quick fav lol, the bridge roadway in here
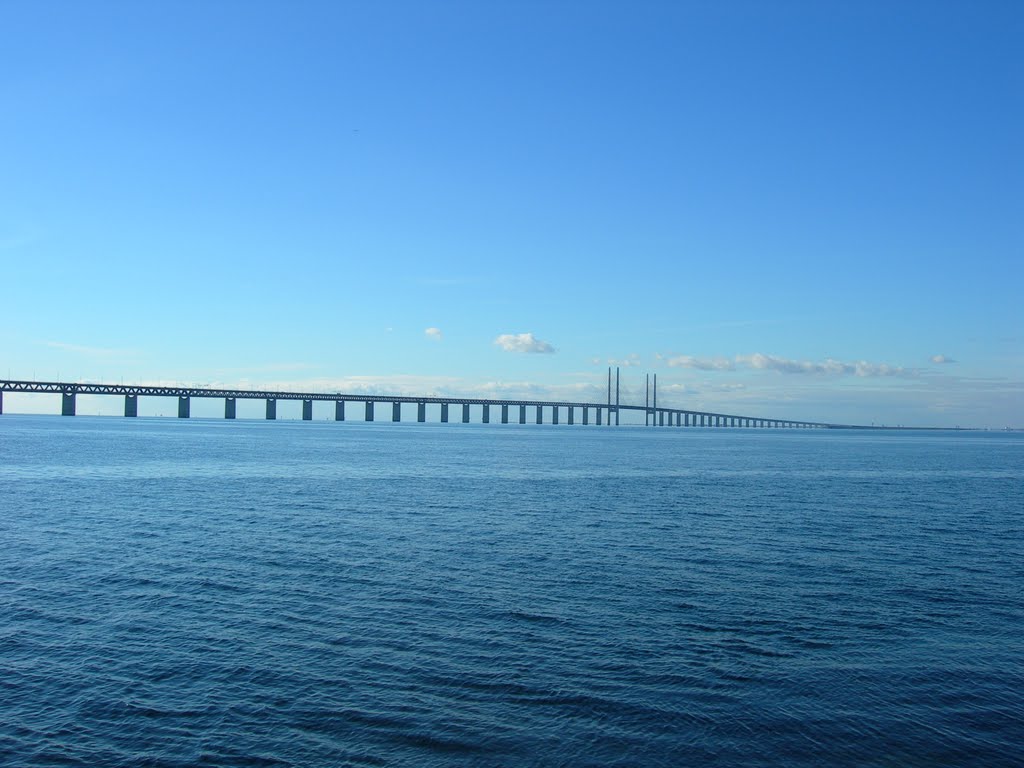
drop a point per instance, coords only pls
(655, 415)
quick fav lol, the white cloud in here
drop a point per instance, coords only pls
(523, 342)
(942, 359)
(700, 363)
(629, 361)
(433, 333)
(860, 368)
(760, 361)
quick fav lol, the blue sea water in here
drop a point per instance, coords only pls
(179, 593)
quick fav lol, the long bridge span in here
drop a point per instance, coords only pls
(529, 411)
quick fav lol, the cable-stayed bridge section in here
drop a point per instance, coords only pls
(505, 410)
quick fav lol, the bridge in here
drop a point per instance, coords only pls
(605, 414)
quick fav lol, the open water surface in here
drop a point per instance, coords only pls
(178, 593)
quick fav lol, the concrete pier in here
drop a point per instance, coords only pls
(504, 414)
(540, 415)
(369, 410)
(421, 412)
(444, 413)
(597, 420)
(571, 419)
(661, 418)
(1, 402)
(396, 411)
(67, 404)
(522, 414)
(465, 413)
(307, 410)
(487, 414)
(229, 408)
(339, 410)
(586, 415)
(554, 414)
(131, 406)
(184, 406)
(271, 409)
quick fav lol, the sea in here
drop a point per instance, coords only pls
(247, 593)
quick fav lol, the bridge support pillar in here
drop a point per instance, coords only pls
(444, 413)
(271, 409)
(522, 414)
(131, 405)
(504, 414)
(1, 401)
(229, 408)
(572, 416)
(67, 404)
(586, 415)
(554, 414)
(421, 412)
(597, 416)
(465, 413)
(369, 410)
(339, 410)
(396, 411)
(486, 418)
(540, 415)
(184, 406)
(661, 418)
(307, 410)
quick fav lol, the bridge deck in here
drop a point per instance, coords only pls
(137, 390)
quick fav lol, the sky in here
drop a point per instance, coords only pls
(803, 210)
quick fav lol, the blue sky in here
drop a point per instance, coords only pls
(797, 209)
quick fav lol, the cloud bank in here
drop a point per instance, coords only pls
(700, 363)
(523, 342)
(434, 334)
(834, 367)
(762, 362)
